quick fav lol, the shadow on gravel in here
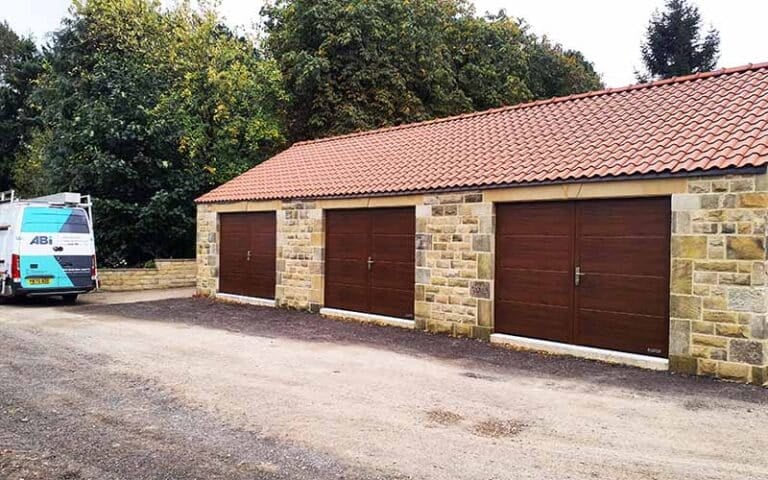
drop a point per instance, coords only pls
(472, 354)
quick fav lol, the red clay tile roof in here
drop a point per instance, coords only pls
(716, 120)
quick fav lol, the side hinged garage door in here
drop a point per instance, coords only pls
(247, 251)
(592, 273)
(369, 260)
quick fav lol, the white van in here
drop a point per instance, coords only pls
(46, 246)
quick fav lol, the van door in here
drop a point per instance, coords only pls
(56, 248)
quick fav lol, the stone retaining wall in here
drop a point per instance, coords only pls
(168, 273)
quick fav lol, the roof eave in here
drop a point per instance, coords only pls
(747, 170)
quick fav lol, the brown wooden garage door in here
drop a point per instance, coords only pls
(369, 260)
(621, 248)
(247, 254)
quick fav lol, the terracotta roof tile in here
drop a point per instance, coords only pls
(716, 120)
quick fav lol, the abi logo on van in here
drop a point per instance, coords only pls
(42, 240)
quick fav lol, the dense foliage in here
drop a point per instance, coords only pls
(147, 107)
(674, 44)
(20, 63)
(146, 116)
(358, 64)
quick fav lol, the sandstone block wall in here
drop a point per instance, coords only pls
(300, 253)
(718, 296)
(168, 273)
(207, 250)
(454, 264)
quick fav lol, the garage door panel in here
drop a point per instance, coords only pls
(614, 293)
(347, 222)
(625, 217)
(535, 252)
(347, 271)
(546, 218)
(347, 246)
(392, 302)
(235, 283)
(537, 321)
(263, 244)
(622, 248)
(386, 236)
(400, 221)
(346, 297)
(392, 275)
(393, 247)
(247, 254)
(626, 332)
(262, 286)
(636, 256)
(547, 288)
(263, 268)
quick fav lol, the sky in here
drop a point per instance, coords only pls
(608, 32)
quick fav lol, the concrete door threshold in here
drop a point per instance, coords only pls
(609, 356)
(366, 317)
(261, 302)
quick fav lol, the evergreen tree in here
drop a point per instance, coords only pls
(674, 44)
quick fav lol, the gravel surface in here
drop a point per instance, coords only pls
(66, 416)
(194, 389)
(472, 354)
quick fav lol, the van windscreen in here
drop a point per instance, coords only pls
(54, 220)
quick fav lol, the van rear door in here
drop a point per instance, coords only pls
(57, 248)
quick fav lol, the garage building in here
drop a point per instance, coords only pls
(626, 224)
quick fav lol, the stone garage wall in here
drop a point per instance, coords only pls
(718, 300)
(300, 242)
(718, 280)
(168, 273)
(207, 250)
(454, 264)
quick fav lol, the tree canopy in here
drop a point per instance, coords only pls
(147, 115)
(674, 44)
(147, 107)
(358, 64)
(20, 64)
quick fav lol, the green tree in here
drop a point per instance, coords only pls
(556, 72)
(20, 64)
(352, 65)
(490, 58)
(356, 64)
(674, 44)
(148, 114)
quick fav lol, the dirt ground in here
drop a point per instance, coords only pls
(134, 386)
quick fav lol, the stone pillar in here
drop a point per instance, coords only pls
(718, 280)
(207, 250)
(454, 264)
(300, 256)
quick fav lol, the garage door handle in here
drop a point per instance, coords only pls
(370, 263)
(248, 256)
(577, 276)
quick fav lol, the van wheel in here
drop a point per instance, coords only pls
(69, 298)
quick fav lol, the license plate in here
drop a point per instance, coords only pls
(39, 281)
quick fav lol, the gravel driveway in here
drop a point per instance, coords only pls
(183, 388)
